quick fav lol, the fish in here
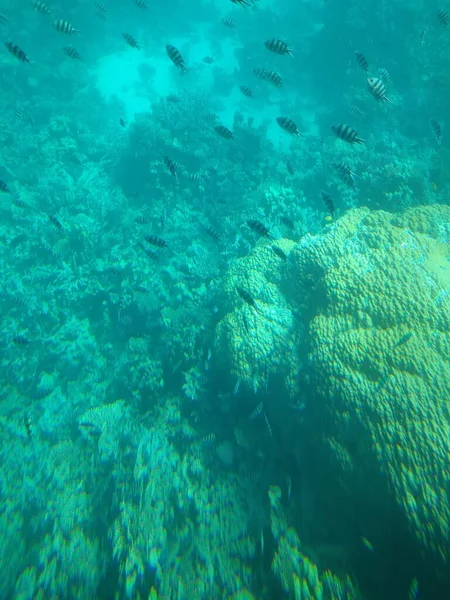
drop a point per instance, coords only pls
(156, 241)
(289, 126)
(213, 234)
(328, 201)
(3, 19)
(173, 98)
(443, 18)
(345, 173)
(228, 22)
(131, 41)
(101, 8)
(24, 117)
(356, 110)
(384, 74)
(437, 131)
(21, 340)
(347, 133)
(413, 592)
(16, 51)
(4, 187)
(150, 253)
(247, 298)
(121, 122)
(271, 76)
(405, 338)
(362, 61)
(209, 60)
(256, 412)
(72, 53)
(422, 36)
(279, 252)
(175, 56)
(377, 89)
(64, 27)
(40, 7)
(259, 227)
(141, 220)
(224, 132)
(289, 166)
(367, 544)
(55, 221)
(246, 91)
(28, 424)
(171, 165)
(243, 3)
(20, 203)
(141, 3)
(278, 47)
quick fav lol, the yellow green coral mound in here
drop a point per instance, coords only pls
(258, 342)
(380, 350)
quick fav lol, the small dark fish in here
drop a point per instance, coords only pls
(21, 340)
(377, 89)
(230, 23)
(347, 133)
(171, 165)
(247, 298)
(40, 7)
(345, 173)
(384, 74)
(64, 27)
(211, 117)
(278, 47)
(20, 203)
(24, 117)
(443, 18)
(72, 53)
(101, 8)
(246, 91)
(224, 132)
(175, 56)
(259, 228)
(4, 187)
(213, 234)
(405, 338)
(209, 60)
(356, 110)
(271, 76)
(289, 167)
(131, 41)
(437, 131)
(141, 220)
(141, 3)
(121, 122)
(422, 36)
(150, 253)
(16, 51)
(256, 412)
(328, 202)
(242, 3)
(173, 98)
(289, 126)
(279, 252)
(156, 241)
(55, 222)
(362, 61)
(287, 222)
(28, 424)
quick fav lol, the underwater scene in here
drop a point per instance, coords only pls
(225, 300)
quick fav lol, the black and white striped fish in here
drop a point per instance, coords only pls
(278, 47)
(64, 27)
(362, 61)
(175, 56)
(347, 133)
(289, 126)
(377, 89)
(437, 131)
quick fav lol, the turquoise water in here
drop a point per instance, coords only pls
(225, 326)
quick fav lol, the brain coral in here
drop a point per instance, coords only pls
(257, 343)
(379, 348)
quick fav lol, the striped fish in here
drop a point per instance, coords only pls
(377, 89)
(362, 61)
(289, 126)
(347, 133)
(175, 56)
(278, 47)
(64, 27)
(16, 51)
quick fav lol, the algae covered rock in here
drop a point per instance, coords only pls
(257, 342)
(379, 348)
